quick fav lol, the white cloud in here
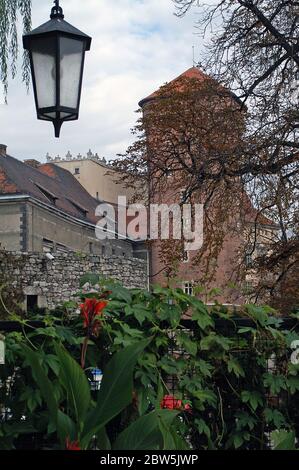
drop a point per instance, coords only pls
(137, 46)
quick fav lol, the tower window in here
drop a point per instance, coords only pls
(188, 287)
(248, 260)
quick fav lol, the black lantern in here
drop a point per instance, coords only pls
(57, 51)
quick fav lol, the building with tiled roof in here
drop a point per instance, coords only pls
(44, 208)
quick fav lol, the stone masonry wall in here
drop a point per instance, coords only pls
(55, 281)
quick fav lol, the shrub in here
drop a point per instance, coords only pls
(229, 382)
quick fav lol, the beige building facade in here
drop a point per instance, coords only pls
(95, 175)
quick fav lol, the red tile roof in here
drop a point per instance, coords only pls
(192, 73)
(48, 183)
(6, 186)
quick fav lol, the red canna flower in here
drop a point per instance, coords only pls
(89, 311)
(72, 445)
(171, 403)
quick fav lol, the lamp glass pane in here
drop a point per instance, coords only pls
(44, 65)
(71, 56)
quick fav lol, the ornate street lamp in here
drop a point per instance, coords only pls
(57, 51)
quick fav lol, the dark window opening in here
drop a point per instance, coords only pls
(32, 303)
(248, 260)
(48, 246)
(83, 212)
(48, 195)
(77, 171)
(61, 248)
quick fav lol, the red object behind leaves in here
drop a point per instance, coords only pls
(72, 445)
(188, 408)
(172, 403)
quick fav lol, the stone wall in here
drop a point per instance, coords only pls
(55, 281)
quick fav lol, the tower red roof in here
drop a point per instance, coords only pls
(193, 72)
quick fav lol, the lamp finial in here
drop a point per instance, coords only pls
(56, 11)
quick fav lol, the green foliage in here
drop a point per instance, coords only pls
(145, 434)
(116, 389)
(146, 348)
(83, 420)
(283, 440)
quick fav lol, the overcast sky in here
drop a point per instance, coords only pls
(137, 46)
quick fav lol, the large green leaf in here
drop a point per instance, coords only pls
(103, 441)
(172, 440)
(283, 440)
(75, 384)
(116, 389)
(145, 433)
(66, 428)
(44, 384)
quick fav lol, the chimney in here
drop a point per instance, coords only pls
(32, 162)
(3, 150)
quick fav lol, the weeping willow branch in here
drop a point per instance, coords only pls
(11, 12)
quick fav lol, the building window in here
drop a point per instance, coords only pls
(188, 287)
(77, 171)
(48, 195)
(32, 303)
(97, 195)
(185, 257)
(61, 248)
(103, 250)
(248, 287)
(48, 246)
(248, 260)
(113, 251)
(90, 247)
(82, 211)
